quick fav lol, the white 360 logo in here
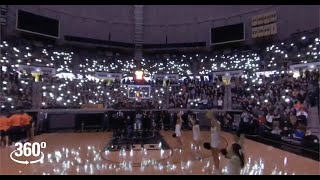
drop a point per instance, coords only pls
(27, 149)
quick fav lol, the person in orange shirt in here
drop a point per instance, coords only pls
(15, 120)
(4, 127)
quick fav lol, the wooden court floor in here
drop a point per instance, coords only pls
(84, 153)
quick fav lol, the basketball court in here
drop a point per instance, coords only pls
(87, 153)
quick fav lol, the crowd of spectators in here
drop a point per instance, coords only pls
(73, 82)
(193, 93)
(278, 103)
(16, 92)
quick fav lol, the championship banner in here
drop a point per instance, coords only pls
(264, 24)
(314, 65)
(265, 73)
(166, 76)
(228, 73)
(106, 75)
(36, 69)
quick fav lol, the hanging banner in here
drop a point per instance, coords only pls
(264, 24)
(106, 75)
(228, 73)
(310, 66)
(166, 76)
(34, 69)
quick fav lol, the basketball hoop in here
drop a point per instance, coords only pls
(142, 91)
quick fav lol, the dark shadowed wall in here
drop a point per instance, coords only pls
(179, 23)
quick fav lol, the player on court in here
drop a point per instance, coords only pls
(236, 155)
(178, 129)
(214, 138)
(195, 133)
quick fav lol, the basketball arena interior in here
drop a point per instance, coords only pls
(159, 90)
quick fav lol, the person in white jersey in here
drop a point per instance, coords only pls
(178, 129)
(195, 133)
(236, 156)
(214, 138)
